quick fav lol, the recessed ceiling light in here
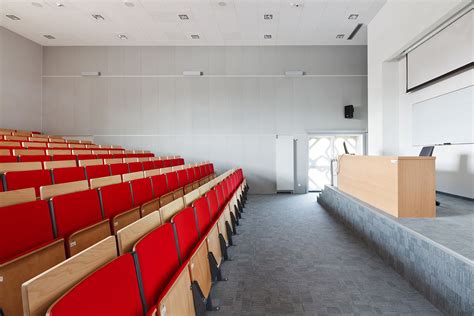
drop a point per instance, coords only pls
(268, 16)
(353, 16)
(267, 36)
(122, 36)
(60, 5)
(222, 3)
(340, 36)
(98, 17)
(296, 4)
(183, 16)
(195, 36)
(49, 36)
(129, 4)
(13, 17)
(37, 4)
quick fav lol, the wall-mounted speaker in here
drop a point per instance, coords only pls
(349, 111)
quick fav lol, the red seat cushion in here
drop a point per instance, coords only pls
(69, 174)
(28, 179)
(32, 158)
(135, 166)
(148, 165)
(186, 230)
(119, 168)
(8, 159)
(159, 185)
(172, 180)
(75, 211)
(158, 259)
(111, 290)
(203, 215)
(24, 227)
(116, 199)
(98, 171)
(142, 191)
(158, 164)
(183, 177)
(213, 204)
(86, 156)
(64, 157)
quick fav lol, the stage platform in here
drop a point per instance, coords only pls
(434, 254)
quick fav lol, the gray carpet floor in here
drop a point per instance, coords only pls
(292, 258)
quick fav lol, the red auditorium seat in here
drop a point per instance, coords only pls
(119, 168)
(148, 165)
(220, 196)
(31, 158)
(69, 174)
(203, 215)
(158, 164)
(157, 249)
(8, 159)
(74, 212)
(203, 171)
(191, 175)
(172, 181)
(166, 163)
(135, 166)
(64, 157)
(28, 179)
(120, 155)
(159, 185)
(183, 177)
(197, 173)
(117, 204)
(97, 171)
(142, 191)
(213, 203)
(23, 228)
(177, 162)
(111, 290)
(86, 156)
(186, 230)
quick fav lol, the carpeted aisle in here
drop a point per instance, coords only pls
(292, 258)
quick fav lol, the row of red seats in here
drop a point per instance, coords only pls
(28, 226)
(15, 180)
(41, 155)
(136, 283)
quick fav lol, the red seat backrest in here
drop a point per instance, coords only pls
(202, 171)
(158, 164)
(69, 174)
(203, 215)
(142, 191)
(191, 174)
(111, 290)
(167, 163)
(135, 166)
(183, 177)
(211, 196)
(172, 180)
(23, 228)
(159, 185)
(86, 156)
(177, 162)
(220, 196)
(186, 231)
(116, 199)
(197, 173)
(148, 165)
(75, 211)
(119, 168)
(28, 179)
(211, 168)
(8, 159)
(158, 259)
(64, 157)
(98, 171)
(32, 158)
(119, 155)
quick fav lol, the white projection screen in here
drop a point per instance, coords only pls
(448, 51)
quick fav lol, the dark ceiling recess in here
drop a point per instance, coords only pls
(355, 31)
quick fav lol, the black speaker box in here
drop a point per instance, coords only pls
(349, 111)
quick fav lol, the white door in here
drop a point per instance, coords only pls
(285, 167)
(324, 148)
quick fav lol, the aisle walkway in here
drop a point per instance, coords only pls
(292, 258)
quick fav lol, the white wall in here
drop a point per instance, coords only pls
(20, 82)
(230, 116)
(390, 107)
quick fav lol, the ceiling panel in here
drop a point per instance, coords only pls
(217, 22)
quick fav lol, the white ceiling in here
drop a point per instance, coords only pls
(156, 22)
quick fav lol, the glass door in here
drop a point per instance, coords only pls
(323, 149)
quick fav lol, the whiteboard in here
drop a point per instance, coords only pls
(447, 118)
(446, 51)
(285, 168)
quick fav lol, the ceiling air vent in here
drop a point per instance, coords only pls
(355, 31)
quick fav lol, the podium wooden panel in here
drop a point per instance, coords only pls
(399, 186)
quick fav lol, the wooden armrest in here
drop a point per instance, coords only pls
(150, 206)
(86, 237)
(121, 220)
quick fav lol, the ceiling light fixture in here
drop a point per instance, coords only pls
(340, 36)
(122, 36)
(60, 5)
(49, 36)
(13, 17)
(353, 16)
(37, 4)
(267, 36)
(268, 16)
(195, 36)
(129, 4)
(98, 17)
(183, 16)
